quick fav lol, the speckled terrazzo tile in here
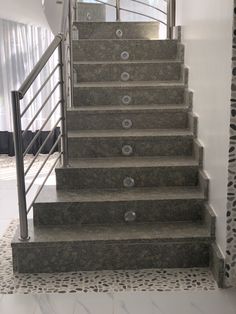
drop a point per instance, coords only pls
(108, 72)
(137, 93)
(109, 143)
(110, 50)
(108, 30)
(153, 118)
(195, 279)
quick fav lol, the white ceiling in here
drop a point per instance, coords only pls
(23, 11)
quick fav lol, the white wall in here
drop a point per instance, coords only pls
(207, 35)
(23, 11)
(53, 12)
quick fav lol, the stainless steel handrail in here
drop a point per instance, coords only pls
(39, 66)
(58, 44)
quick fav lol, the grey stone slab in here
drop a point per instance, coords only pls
(60, 207)
(110, 143)
(110, 50)
(138, 94)
(126, 30)
(95, 12)
(105, 120)
(107, 72)
(71, 248)
(217, 264)
(110, 173)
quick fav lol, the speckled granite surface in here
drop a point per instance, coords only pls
(107, 30)
(110, 50)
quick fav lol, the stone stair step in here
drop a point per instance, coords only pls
(129, 93)
(120, 246)
(111, 30)
(144, 142)
(108, 72)
(98, 118)
(127, 172)
(60, 207)
(111, 50)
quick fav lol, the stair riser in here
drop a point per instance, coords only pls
(146, 146)
(136, 72)
(109, 121)
(110, 50)
(75, 178)
(65, 257)
(108, 30)
(138, 95)
(113, 212)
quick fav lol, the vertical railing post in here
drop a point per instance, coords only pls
(117, 10)
(62, 77)
(171, 17)
(24, 236)
(70, 21)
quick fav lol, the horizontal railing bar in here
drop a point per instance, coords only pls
(149, 5)
(108, 4)
(39, 131)
(148, 16)
(42, 146)
(40, 65)
(43, 164)
(38, 92)
(40, 109)
(45, 180)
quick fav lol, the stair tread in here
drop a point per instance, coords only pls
(117, 22)
(50, 194)
(137, 162)
(177, 232)
(127, 40)
(163, 61)
(130, 132)
(131, 84)
(133, 108)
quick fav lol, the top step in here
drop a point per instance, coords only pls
(118, 30)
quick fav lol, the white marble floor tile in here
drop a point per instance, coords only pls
(90, 303)
(18, 304)
(209, 302)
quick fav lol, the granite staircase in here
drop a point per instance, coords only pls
(134, 195)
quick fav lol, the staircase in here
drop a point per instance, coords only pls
(134, 195)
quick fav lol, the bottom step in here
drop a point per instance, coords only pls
(71, 248)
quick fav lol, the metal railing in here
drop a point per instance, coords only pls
(62, 45)
(167, 11)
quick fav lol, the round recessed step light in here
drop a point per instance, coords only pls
(128, 182)
(119, 33)
(126, 100)
(127, 150)
(125, 76)
(130, 216)
(127, 124)
(124, 55)
(88, 16)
